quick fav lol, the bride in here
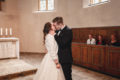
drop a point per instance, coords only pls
(50, 69)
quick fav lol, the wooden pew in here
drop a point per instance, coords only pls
(105, 59)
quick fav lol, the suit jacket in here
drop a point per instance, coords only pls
(102, 43)
(64, 40)
(117, 44)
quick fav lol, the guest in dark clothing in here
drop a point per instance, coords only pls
(114, 41)
(100, 40)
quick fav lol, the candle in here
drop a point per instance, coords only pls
(6, 31)
(1, 31)
(10, 31)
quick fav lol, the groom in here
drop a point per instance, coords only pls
(64, 39)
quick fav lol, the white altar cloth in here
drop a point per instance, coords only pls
(9, 47)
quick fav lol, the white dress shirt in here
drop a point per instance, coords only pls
(91, 41)
(60, 30)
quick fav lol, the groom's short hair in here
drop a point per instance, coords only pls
(58, 20)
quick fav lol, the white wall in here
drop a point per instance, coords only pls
(28, 25)
(31, 24)
(9, 16)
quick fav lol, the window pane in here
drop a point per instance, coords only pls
(104, 0)
(96, 1)
(42, 4)
(50, 4)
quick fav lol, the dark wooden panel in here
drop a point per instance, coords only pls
(81, 34)
(0, 5)
(76, 35)
(76, 55)
(98, 57)
(101, 58)
(113, 60)
(84, 53)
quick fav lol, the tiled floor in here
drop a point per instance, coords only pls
(78, 73)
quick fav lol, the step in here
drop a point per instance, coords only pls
(11, 68)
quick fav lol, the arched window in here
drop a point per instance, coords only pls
(46, 5)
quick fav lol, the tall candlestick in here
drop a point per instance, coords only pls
(1, 31)
(6, 31)
(10, 31)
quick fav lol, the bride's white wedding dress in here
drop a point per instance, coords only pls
(47, 69)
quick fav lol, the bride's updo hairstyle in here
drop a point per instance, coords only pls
(47, 28)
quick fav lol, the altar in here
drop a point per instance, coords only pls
(9, 48)
(10, 64)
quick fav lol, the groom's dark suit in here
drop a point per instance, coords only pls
(64, 40)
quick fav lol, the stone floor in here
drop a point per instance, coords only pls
(78, 73)
(10, 68)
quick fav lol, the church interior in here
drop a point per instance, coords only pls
(21, 37)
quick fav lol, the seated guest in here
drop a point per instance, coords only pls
(100, 40)
(114, 41)
(91, 40)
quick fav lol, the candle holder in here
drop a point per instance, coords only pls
(2, 36)
(5, 36)
(9, 36)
